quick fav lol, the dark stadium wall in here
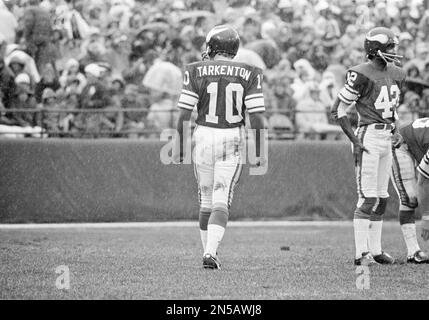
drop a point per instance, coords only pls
(124, 180)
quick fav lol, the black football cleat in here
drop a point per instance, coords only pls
(366, 260)
(210, 262)
(419, 257)
(384, 258)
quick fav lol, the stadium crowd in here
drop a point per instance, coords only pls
(123, 59)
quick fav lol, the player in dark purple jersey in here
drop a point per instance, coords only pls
(222, 90)
(412, 185)
(375, 88)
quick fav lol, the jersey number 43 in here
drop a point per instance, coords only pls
(387, 101)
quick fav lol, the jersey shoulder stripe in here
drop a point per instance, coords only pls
(255, 110)
(351, 90)
(185, 106)
(347, 97)
(190, 93)
(188, 99)
(253, 103)
(254, 96)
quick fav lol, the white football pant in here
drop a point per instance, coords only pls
(373, 168)
(218, 163)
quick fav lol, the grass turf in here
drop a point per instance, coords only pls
(165, 263)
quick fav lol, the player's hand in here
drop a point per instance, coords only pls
(358, 148)
(397, 140)
(425, 230)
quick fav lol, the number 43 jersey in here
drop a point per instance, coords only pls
(222, 91)
(375, 91)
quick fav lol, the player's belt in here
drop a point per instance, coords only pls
(386, 126)
(382, 126)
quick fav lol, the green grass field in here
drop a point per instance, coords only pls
(165, 263)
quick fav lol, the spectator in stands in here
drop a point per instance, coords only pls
(8, 25)
(348, 40)
(304, 74)
(329, 89)
(134, 121)
(117, 89)
(412, 70)
(311, 117)
(16, 65)
(51, 120)
(38, 32)
(161, 112)
(424, 110)
(95, 50)
(422, 54)
(425, 73)
(424, 26)
(165, 82)
(94, 94)
(283, 100)
(71, 73)
(119, 52)
(24, 99)
(405, 48)
(251, 30)
(13, 54)
(7, 83)
(49, 80)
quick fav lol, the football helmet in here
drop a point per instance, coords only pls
(221, 39)
(381, 43)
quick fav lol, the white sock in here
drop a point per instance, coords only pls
(375, 229)
(361, 230)
(214, 237)
(410, 237)
(203, 234)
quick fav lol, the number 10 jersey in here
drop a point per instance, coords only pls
(222, 90)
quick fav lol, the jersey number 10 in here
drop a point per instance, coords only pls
(387, 102)
(212, 89)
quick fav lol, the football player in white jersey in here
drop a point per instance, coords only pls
(222, 90)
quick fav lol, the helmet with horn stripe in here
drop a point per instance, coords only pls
(381, 43)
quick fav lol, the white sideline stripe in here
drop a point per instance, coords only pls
(193, 224)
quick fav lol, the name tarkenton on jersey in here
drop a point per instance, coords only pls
(223, 70)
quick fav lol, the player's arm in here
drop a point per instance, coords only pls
(346, 97)
(181, 138)
(258, 124)
(187, 101)
(255, 106)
